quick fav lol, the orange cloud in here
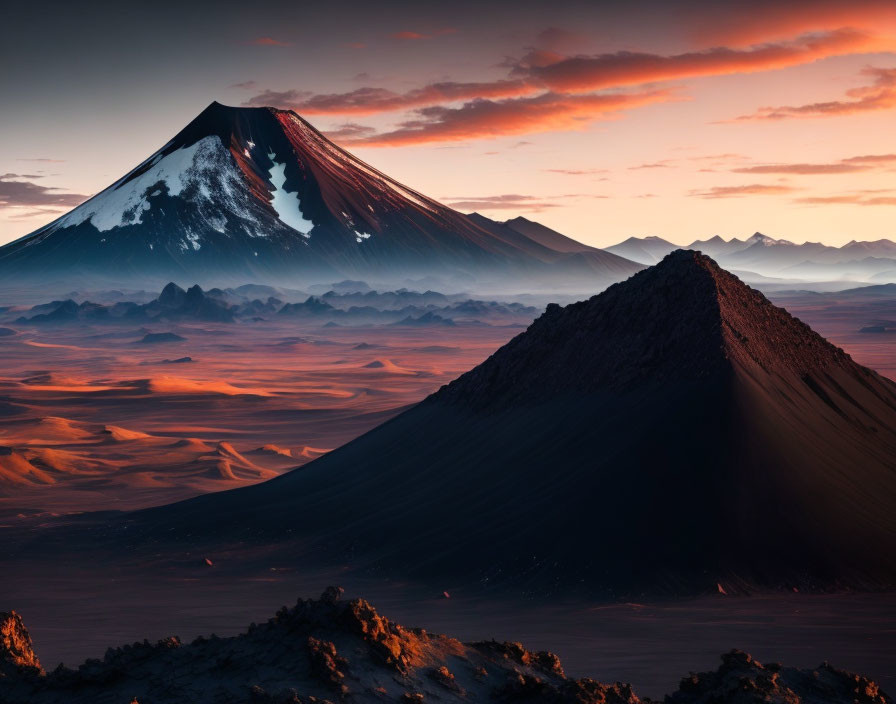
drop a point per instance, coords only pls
(589, 73)
(856, 198)
(488, 118)
(801, 169)
(753, 189)
(763, 20)
(548, 71)
(880, 95)
(871, 159)
(547, 91)
(866, 162)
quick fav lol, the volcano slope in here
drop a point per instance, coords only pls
(259, 194)
(675, 432)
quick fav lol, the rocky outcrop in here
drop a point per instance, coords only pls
(743, 680)
(330, 650)
(683, 320)
(16, 650)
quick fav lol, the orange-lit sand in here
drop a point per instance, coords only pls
(93, 421)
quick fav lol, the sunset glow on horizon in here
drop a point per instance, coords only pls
(603, 122)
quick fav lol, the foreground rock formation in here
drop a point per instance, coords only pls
(331, 650)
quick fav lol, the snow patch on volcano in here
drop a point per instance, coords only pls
(204, 166)
(287, 205)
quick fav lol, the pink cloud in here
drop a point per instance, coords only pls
(753, 189)
(880, 95)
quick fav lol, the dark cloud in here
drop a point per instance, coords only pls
(370, 100)
(349, 130)
(559, 39)
(743, 22)
(16, 192)
(624, 68)
(286, 99)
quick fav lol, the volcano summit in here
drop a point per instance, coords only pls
(259, 193)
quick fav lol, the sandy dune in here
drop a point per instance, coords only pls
(112, 427)
(387, 365)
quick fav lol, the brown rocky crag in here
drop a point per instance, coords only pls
(332, 650)
(16, 650)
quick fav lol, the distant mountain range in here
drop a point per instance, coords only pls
(812, 261)
(675, 432)
(258, 193)
(175, 304)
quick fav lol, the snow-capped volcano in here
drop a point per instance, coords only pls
(256, 191)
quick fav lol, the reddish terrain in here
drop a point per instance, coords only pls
(94, 420)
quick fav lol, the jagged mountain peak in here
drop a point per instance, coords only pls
(684, 318)
(16, 649)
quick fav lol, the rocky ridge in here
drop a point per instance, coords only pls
(331, 650)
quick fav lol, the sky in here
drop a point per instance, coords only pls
(603, 120)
